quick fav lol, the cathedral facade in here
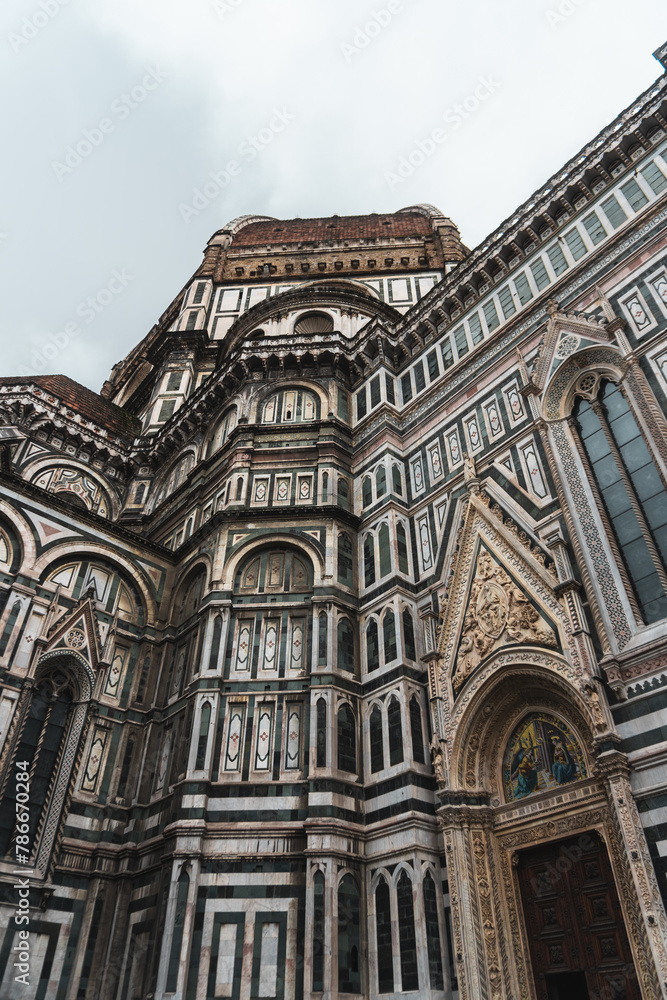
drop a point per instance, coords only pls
(333, 632)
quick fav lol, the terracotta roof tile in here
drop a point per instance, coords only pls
(83, 401)
(336, 227)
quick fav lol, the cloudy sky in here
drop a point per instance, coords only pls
(118, 114)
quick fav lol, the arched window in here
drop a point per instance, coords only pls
(416, 731)
(402, 549)
(222, 431)
(389, 636)
(343, 493)
(345, 635)
(190, 597)
(345, 566)
(376, 740)
(366, 491)
(347, 740)
(380, 482)
(632, 492)
(408, 636)
(321, 734)
(325, 487)
(117, 593)
(384, 550)
(383, 932)
(140, 493)
(44, 730)
(215, 643)
(432, 933)
(177, 936)
(395, 732)
(239, 488)
(397, 480)
(291, 406)
(202, 742)
(372, 645)
(322, 637)
(274, 571)
(319, 916)
(406, 934)
(369, 561)
(349, 944)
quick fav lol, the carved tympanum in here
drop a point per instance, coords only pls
(498, 613)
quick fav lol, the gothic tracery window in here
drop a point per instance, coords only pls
(632, 492)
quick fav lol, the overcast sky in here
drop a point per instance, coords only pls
(115, 112)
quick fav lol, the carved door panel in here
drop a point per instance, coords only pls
(578, 942)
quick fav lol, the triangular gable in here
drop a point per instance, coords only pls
(500, 594)
(76, 632)
(566, 334)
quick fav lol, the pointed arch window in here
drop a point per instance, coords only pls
(366, 491)
(345, 565)
(318, 932)
(202, 742)
(384, 550)
(345, 636)
(347, 740)
(406, 934)
(380, 482)
(402, 548)
(395, 732)
(177, 936)
(321, 733)
(369, 561)
(432, 933)
(389, 636)
(343, 493)
(41, 746)
(385, 951)
(376, 740)
(322, 638)
(372, 646)
(409, 635)
(416, 731)
(632, 492)
(215, 643)
(396, 480)
(349, 943)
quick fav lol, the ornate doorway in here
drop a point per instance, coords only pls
(579, 947)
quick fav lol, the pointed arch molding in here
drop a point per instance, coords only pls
(547, 635)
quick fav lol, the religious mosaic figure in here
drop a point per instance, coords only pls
(542, 754)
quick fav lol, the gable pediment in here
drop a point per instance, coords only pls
(501, 594)
(76, 631)
(566, 334)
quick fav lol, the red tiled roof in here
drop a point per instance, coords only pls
(336, 227)
(83, 401)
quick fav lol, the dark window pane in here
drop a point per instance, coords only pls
(384, 550)
(408, 635)
(318, 932)
(349, 944)
(345, 575)
(402, 549)
(406, 934)
(389, 636)
(369, 561)
(347, 740)
(432, 934)
(372, 645)
(384, 944)
(345, 646)
(377, 749)
(321, 734)
(395, 732)
(416, 731)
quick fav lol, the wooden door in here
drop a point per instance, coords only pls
(578, 943)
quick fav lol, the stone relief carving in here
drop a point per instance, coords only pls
(498, 613)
